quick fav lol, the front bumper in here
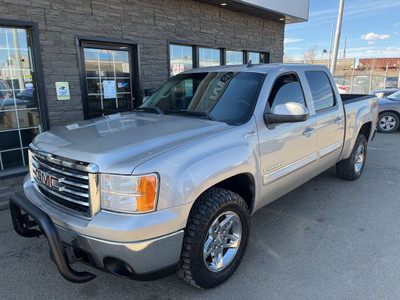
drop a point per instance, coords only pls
(144, 260)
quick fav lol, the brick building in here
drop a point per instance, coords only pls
(65, 61)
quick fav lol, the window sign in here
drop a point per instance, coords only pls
(109, 89)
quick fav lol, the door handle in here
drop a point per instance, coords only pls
(308, 131)
(338, 120)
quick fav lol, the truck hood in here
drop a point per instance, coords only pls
(120, 142)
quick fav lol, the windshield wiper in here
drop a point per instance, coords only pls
(150, 109)
(192, 112)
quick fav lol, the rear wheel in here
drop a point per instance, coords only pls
(352, 167)
(215, 239)
(388, 122)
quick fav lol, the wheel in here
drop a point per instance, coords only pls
(388, 122)
(215, 239)
(352, 167)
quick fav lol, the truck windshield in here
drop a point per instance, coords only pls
(227, 97)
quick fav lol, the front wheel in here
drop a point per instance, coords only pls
(388, 122)
(352, 167)
(215, 239)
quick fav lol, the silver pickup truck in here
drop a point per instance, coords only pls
(171, 186)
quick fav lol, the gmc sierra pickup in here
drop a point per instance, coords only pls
(171, 186)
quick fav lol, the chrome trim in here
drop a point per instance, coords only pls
(79, 185)
(94, 194)
(327, 150)
(90, 191)
(282, 172)
(69, 163)
(72, 192)
(62, 196)
(57, 170)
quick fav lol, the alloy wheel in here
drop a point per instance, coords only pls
(222, 241)
(387, 123)
(359, 159)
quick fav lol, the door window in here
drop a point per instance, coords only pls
(108, 79)
(19, 103)
(287, 88)
(321, 90)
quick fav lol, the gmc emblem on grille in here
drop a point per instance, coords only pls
(47, 179)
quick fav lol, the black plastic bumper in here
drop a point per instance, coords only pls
(22, 211)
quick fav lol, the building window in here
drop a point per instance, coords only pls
(234, 57)
(186, 57)
(209, 57)
(180, 59)
(258, 57)
(110, 79)
(20, 118)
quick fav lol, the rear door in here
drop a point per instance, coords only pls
(329, 117)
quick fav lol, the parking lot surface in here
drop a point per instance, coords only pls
(328, 239)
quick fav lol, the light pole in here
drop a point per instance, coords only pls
(330, 47)
(337, 37)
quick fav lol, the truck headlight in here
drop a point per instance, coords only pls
(129, 194)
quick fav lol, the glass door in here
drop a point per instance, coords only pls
(20, 120)
(109, 79)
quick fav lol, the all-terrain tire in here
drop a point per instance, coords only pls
(205, 212)
(351, 168)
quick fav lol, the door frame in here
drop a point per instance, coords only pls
(106, 43)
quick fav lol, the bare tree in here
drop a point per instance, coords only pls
(310, 56)
(287, 57)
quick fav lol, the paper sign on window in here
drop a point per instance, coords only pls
(110, 90)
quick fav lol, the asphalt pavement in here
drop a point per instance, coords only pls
(328, 239)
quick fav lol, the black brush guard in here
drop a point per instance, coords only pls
(22, 210)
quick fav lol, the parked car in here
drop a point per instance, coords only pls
(344, 87)
(368, 84)
(383, 93)
(389, 113)
(391, 82)
(171, 187)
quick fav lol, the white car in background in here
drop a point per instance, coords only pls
(344, 86)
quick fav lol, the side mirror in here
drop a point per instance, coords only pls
(287, 113)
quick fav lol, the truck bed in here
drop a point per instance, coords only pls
(350, 98)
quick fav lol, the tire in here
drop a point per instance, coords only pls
(388, 122)
(351, 168)
(212, 208)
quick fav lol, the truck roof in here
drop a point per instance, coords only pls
(258, 68)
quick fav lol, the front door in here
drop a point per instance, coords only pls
(110, 83)
(287, 151)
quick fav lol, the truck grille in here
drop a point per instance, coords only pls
(62, 182)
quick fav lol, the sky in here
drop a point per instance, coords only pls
(372, 29)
